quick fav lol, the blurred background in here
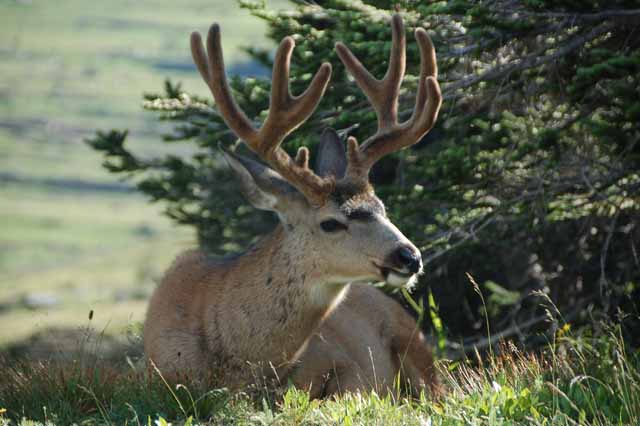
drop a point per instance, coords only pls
(73, 239)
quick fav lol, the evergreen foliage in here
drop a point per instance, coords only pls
(530, 180)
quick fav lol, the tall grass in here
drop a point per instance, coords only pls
(586, 381)
(593, 381)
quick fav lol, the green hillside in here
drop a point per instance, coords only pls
(72, 238)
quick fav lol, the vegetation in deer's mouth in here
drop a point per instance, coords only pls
(387, 271)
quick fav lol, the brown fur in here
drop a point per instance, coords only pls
(367, 343)
(209, 314)
(203, 319)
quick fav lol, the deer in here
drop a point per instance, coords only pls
(299, 303)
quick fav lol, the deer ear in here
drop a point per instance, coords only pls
(264, 188)
(331, 159)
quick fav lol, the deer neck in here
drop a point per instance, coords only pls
(285, 299)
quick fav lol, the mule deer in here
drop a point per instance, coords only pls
(287, 302)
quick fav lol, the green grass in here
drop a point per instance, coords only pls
(71, 66)
(68, 68)
(590, 381)
(86, 249)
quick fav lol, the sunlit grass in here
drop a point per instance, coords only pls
(75, 59)
(590, 381)
(102, 252)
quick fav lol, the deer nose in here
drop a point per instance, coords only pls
(410, 258)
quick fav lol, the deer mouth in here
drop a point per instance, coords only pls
(395, 277)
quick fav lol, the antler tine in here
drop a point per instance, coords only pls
(211, 68)
(428, 68)
(286, 112)
(383, 94)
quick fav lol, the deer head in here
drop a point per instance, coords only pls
(333, 208)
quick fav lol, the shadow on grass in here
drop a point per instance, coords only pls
(67, 345)
(62, 376)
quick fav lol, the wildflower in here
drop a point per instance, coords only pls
(564, 330)
(425, 421)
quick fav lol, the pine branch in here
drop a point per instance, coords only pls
(530, 61)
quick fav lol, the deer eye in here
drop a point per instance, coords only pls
(332, 225)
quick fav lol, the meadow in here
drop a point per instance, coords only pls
(74, 239)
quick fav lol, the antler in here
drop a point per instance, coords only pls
(383, 95)
(286, 112)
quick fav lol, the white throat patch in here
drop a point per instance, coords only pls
(328, 294)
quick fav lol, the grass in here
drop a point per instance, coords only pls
(101, 252)
(72, 66)
(586, 381)
(68, 68)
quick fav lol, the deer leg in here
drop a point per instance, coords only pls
(344, 378)
(414, 356)
(326, 369)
